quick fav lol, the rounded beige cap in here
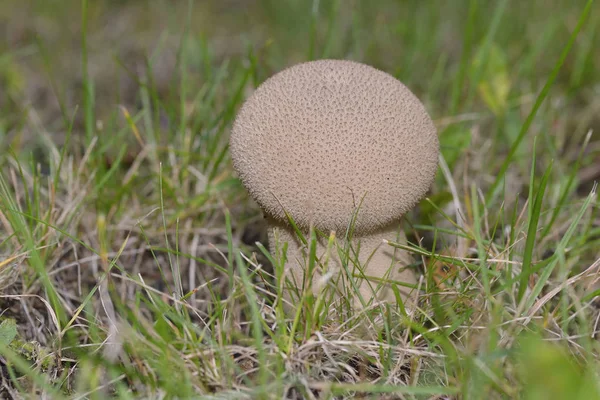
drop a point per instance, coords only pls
(322, 138)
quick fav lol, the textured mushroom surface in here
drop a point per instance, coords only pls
(322, 138)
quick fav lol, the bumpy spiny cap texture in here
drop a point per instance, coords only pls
(323, 138)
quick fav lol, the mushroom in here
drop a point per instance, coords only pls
(336, 145)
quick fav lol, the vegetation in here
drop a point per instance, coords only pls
(133, 264)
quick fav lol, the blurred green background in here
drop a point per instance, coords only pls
(423, 43)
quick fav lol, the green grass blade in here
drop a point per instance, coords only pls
(493, 190)
(560, 249)
(534, 218)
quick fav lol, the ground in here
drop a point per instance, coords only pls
(133, 264)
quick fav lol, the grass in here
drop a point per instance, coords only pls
(131, 262)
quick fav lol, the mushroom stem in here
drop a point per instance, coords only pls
(379, 265)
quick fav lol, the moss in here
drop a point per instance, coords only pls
(31, 351)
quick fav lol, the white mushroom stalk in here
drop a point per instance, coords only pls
(337, 144)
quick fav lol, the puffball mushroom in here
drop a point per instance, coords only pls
(336, 144)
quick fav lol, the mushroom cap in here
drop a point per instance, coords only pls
(326, 138)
